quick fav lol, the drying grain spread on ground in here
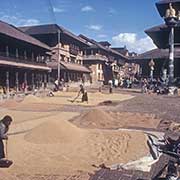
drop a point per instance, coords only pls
(48, 141)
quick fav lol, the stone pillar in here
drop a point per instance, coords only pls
(7, 83)
(171, 57)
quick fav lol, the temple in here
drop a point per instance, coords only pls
(160, 36)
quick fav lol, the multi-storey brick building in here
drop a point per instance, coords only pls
(66, 48)
(22, 60)
(104, 62)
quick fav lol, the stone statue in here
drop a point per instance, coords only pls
(170, 12)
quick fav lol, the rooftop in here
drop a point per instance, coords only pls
(12, 31)
(50, 29)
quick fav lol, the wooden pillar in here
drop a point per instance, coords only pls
(64, 75)
(33, 85)
(7, 83)
(32, 56)
(17, 53)
(48, 78)
(68, 76)
(41, 80)
(7, 51)
(91, 52)
(45, 80)
(25, 55)
(17, 81)
(25, 82)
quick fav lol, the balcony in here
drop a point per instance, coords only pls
(73, 51)
(22, 59)
(96, 57)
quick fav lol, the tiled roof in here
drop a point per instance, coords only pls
(157, 54)
(50, 29)
(98, 45)
(12, 31)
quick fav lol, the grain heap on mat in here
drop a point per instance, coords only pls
(94, 119)
(32, 99)
(57, 131)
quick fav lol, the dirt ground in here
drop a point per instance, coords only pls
(44, 145)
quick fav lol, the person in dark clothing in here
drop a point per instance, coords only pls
(4, 127)
(84, 94)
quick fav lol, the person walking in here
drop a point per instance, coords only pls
(4, 127)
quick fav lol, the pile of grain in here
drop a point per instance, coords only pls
(32, 99)
(10, 103)
(6, 176)
(94, 119)
(129, 119)
(55, 131)
(113, 120)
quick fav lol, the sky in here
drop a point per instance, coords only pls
(121, 22)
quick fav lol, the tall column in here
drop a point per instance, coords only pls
(25, 82)
(48, 79)
(45, 80)
(7, 83)
(17, 81)
(171, 57)
(59, 58)
(7, 51)
(33, 85)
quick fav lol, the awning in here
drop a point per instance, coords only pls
(75, 67)
(69, 66)
(23, 65)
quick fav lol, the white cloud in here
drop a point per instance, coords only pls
(133, 43)
(87, 9)
(94, 27)
(58, 10)
(18, 21)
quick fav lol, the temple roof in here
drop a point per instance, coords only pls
(160, 35)
(157, 54)
(13, 32)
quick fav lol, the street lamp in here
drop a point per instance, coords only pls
(171, 18)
